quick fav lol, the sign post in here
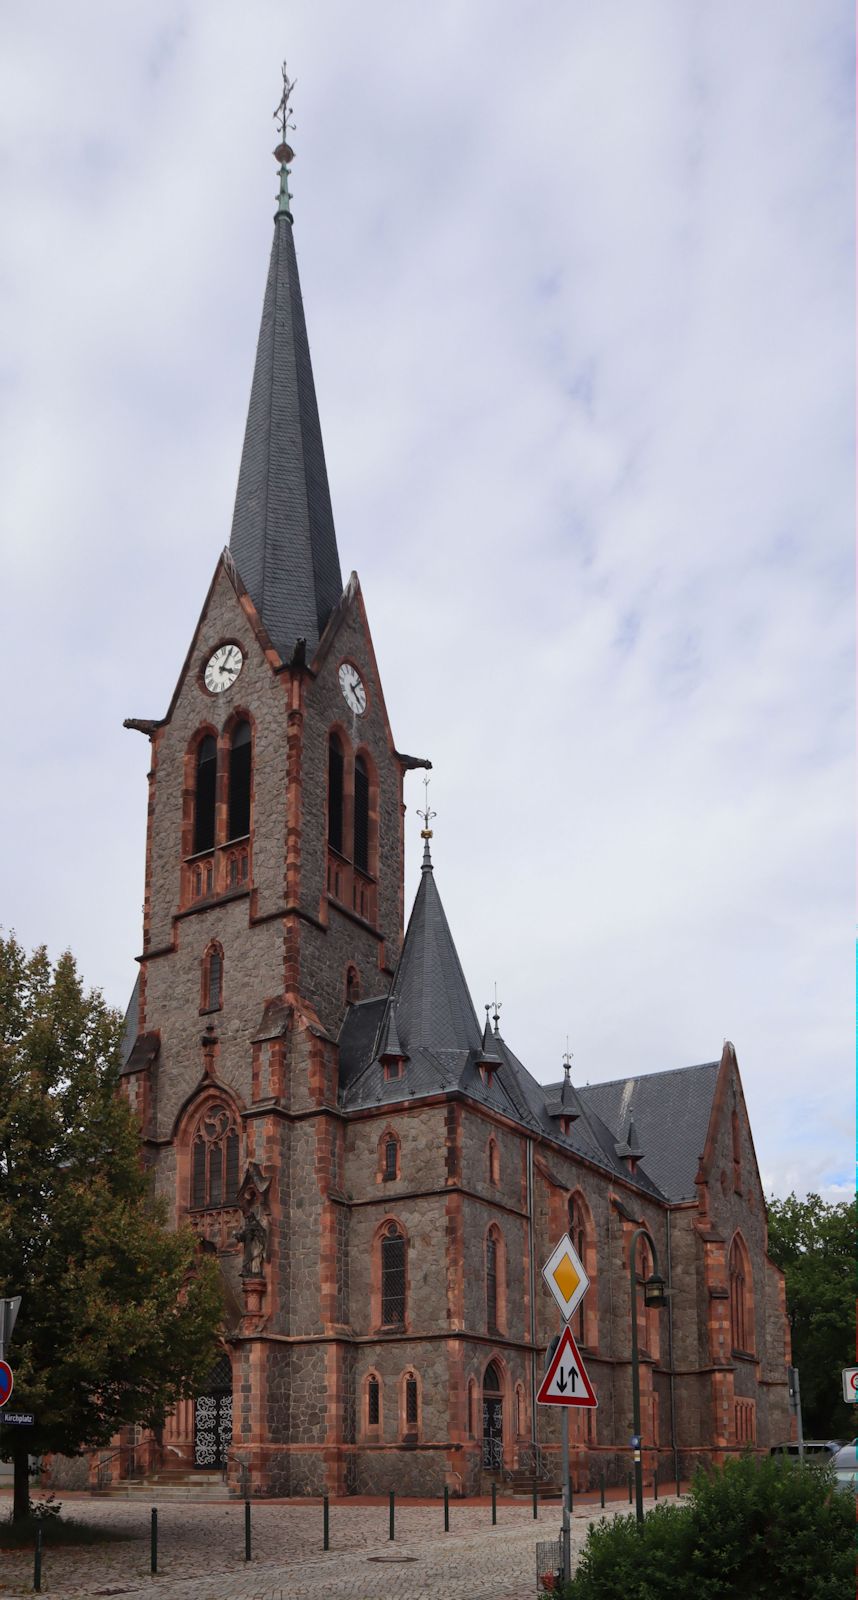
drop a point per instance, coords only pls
(795, 1406)
(565, 1383)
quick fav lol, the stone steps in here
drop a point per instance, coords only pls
(167, 1486)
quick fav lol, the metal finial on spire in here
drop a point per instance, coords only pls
(284, 152)
(426, 831)
(567, 1059)
(497, 1009)
(282, 114)
(427, 815)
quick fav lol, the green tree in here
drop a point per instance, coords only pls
(814, 1244)
(119, 1316)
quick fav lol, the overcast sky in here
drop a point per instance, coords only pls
(578, 281)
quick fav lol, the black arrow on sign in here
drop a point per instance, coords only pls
(561, 1381)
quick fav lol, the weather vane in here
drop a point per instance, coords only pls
(567, 1058)
(427, 815)
(498, 1008)
(282, 115)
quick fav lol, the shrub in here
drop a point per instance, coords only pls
(749, 1531)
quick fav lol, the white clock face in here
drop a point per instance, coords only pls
(223, 668)
(354, 692)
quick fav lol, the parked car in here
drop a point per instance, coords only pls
(818, 1449)
(845, 1463)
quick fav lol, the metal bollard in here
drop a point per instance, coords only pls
(678, 1487)
(602, 1490)
(153, 1541)
(655, 1484)
(630, 1488)
(446, 1509)
(37, 1562)
(535, 1503)
(326, 1524)
(494, 1504)
(392, 1513)
(247, 1552)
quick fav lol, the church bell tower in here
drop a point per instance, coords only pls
(274, 898)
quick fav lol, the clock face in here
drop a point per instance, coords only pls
(223, 667)
(354, 692)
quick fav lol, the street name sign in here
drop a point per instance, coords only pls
(566, 1382)
(7, 1382)
(850, 1384)
(565, 1277)
(17, 1419)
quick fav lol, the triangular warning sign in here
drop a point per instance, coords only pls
(566, 1382)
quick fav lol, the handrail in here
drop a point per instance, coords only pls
(244, 1472)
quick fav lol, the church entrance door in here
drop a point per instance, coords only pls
(213, 1417)
(492, 1419)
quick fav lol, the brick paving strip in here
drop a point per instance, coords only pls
(201, 1549)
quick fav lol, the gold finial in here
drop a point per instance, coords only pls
(282, 114)
(427, 815)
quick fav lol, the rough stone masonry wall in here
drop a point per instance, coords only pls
(327, 956)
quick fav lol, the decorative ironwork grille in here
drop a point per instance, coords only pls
(213, 1418)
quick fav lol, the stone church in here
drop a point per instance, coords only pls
(380, 1176)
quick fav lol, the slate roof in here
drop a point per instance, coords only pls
(283, 540)
(671, 1112)
(430, 1014)
(131, 1023)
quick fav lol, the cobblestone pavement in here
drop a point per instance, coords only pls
(201, 1552)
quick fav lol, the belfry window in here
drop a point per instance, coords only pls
(361, 815)
(392, 1277)
(239, 781)
(335, 794)
(204, 795)
(214, 1160)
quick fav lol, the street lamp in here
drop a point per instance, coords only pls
(655, 1298)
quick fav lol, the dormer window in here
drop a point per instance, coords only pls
(487, 1076)
(394, 1067)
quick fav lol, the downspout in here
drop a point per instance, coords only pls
(529, 1169)
(672, 1378)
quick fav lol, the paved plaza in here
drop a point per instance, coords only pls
(201, 1552)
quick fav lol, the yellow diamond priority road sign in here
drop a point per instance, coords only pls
(565, 1276)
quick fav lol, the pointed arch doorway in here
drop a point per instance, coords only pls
(492, 1419)
(213, 1417)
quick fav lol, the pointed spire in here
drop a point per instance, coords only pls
(390, 1048)
(434, 1011)
(283, 540)
(489, 1051)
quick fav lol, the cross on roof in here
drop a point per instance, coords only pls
(282, 109)
(427, 814)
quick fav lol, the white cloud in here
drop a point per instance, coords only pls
(579, 284)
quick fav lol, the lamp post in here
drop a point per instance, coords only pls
(655, 1295)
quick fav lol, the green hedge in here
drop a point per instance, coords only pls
(754, 1530)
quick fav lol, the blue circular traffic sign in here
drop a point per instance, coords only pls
(7, 1382)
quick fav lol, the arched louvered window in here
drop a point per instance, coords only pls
(204, 795)
(361, 815)
(392, 1277)
(214, 1159)
(239, 781)
(335, 794)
